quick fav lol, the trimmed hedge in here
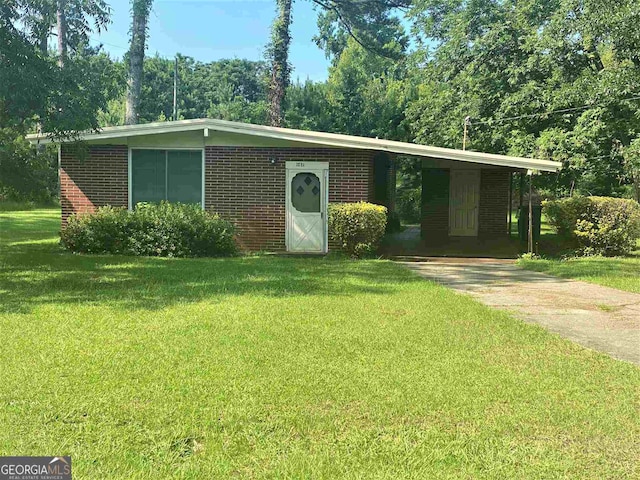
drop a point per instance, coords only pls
(597, 225)
(161, 230)
(357, 227)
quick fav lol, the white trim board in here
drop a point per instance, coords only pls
(309, 137)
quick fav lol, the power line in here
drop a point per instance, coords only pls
(533, 115)
(109, 44)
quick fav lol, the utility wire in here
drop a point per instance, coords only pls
(533, 115)
(109, 44)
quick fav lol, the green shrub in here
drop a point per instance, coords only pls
(357, 227)
(163, 230)
(597, 225)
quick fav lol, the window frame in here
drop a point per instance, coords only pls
(130, 172)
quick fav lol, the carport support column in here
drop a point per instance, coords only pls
(510, 204)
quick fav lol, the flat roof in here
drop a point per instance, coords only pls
(311, 137)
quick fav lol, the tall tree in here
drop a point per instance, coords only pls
(549, 79)
(140, 15)
(35, 90)
(75, 19)
(361, 20)
(278, 55)
(61, 18)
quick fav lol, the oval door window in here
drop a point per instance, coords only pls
(305, 192)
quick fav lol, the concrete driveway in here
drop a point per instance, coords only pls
(597, 317)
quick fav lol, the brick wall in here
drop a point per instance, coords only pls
(494, 199)
(492, 212)
(244, 187)
(384, 180)
(240, 184)
(96, 179)
(435, 204)
(391, 185)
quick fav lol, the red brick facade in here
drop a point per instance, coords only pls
(243, 186)
(494, 203)
(240, 183)
(492, 209)
(93, 180)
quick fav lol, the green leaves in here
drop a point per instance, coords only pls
(543, 79)
(163, 230)
(599, 225)
(357, 227)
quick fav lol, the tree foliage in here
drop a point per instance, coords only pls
(555, 79)
(227, 89)
(35, 91)
(548, 79)
(367, 22)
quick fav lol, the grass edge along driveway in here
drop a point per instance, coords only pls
(622, 273)
(267, 367)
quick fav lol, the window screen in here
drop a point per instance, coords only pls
(148, 174)
(172, 175)
(305, 192)
(184, 176)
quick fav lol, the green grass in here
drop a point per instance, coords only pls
(269, 367)
(11, 205)
(617, 272)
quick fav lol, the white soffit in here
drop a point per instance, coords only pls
(318, 138)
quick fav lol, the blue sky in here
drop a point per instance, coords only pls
(213, 29)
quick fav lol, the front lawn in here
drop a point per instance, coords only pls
(270, 367)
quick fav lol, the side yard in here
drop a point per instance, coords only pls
(271, 367)
(616, 272)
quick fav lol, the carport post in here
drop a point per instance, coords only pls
(530, 173)
(510, 204)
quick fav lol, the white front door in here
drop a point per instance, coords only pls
(307, 198)
(464, 195)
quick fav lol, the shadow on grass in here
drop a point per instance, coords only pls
(41, 273)
(37, 225)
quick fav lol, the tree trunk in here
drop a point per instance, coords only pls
(140, 15)
(280, 68)
(62, 33)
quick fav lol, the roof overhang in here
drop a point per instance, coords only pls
(310, 137)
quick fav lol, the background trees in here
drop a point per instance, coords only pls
(557, 79)
(57, 91)
(552, 79)
(365, 21)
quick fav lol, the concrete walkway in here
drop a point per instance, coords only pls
(597, 317)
